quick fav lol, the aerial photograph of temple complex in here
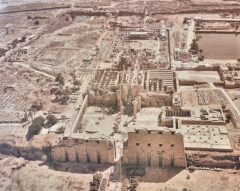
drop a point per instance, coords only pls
(119, 95)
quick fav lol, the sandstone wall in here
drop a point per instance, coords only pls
(155, 99)
(154, 149)
(212, 159)
(84, 151)
(106, 99)
(198, 122)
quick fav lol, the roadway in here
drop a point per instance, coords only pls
(37, 71)
(191, 33)
(73, 121)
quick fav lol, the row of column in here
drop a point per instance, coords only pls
(151, 88)
(179, 113)
(136, 106)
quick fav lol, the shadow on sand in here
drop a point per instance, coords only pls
(79, 168)
(143, 174)
(150, 174)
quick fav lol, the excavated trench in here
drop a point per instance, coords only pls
(213, 159)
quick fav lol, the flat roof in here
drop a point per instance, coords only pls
(94, 136)
(138, 33)
(206, 137)
(147, 119)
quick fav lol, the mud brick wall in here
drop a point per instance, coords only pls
(198, 122)
(152, 99)
(80, 114)
(110, 97)
(154, 149)
(84, 151)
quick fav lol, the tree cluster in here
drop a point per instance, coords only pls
(36, 22)
(60, 79)
(63, 95)
(133, 184)
(76, 82)
(51, 120)
(2, 52)
(201, 57)
(97, 178)
(35, 127)
(228, 117)
(114, 88)
(195, 50)
(194, 47)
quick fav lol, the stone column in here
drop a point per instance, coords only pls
(157, 89)
(116, 125)
(147, 87)
(152, 88)
(135, 109)
(138, 99)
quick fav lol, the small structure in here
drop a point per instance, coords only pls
(138, 35)
(26, 49)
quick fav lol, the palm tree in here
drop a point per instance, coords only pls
(30, 114)
(78, 83)
(200, 51)
(74, 77)
(228, 117)
(34, 111)
(58, 93)
(59, 78)
(66, 93)
(36, 23)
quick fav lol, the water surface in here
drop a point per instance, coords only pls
(220, 46)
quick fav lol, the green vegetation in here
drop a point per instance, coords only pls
(53, 91)
(2, 52)
(133, 184)
(114, 88)
(60, 79)
(194, 47)
(51, 120)
(36, 22)
(185, 20)
(63, 95)
(76, 82)
(97, 178)
(228, 117)
(35, 127)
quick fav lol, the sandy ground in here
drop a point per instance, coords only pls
(35, 177)
(232, 93)
(199, 181)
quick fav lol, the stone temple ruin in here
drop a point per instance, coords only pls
(152, 126)
(85, 148)
(154, 147)
(134, 93)
(125, 88)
